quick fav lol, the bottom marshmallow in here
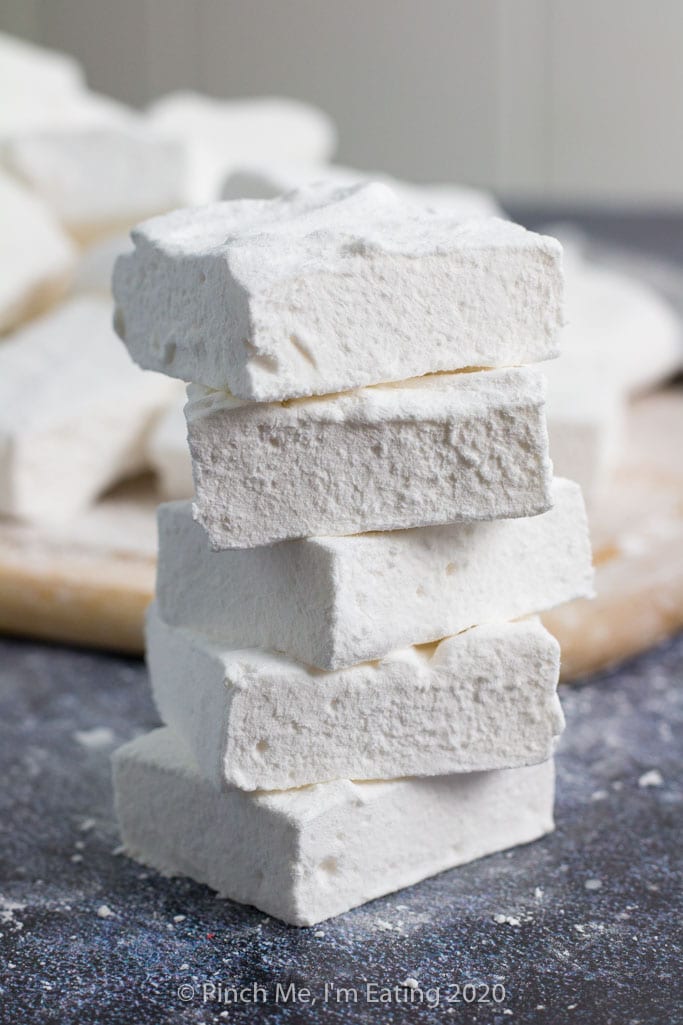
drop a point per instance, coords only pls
(308, 854)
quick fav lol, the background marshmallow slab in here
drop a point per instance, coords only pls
(484, 699)
(222, 133)
(329, 288)
(333, 601)
(308, 854)
(268, 180)
(438, 449)
(36, 256)
(169, 456)
(74, 412)
(103, 177)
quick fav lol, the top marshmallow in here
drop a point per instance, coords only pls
(328, 289)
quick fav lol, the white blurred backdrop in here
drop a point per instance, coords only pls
(571, 101)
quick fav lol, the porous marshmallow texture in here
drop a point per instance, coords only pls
(484, 699)
(438, 449)
(308, 854)
(329, 288)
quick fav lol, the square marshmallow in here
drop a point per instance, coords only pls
(101, 178)
(308, 854)
(74, 412)
(484, 699)
(333, 601)
(36, 256)
(437, 449)
(329, 288)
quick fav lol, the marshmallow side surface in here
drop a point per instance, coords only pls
(438, 449)
(74, 412)
(330, 288)
(333, 601)
(484, 699)
(308, 854)
(36, 256)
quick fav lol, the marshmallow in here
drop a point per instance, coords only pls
(74, 412)
(585, 415)
(327, 289)
(36, 257)
(103, 177)
(484, 699)
(268, 180)
(29, 69)
(44, 90)
(333, 601)
(169, 457)
(220, 134)
(306, 855)
(621, 337)
(96, 265)
(438, 449)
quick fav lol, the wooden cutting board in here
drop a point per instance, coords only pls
(89, 582)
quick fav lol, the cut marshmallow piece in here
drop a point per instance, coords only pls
(437, 449)
(34, 70)
(585, 415)
(330, 288)
(621, 337)
(36, 256)
(306, 855)
(220, 134)
(268, 180)
(103, 178)
(74, 412)
(96, 265)
(484, 699)
(333, 601)
(169, 457)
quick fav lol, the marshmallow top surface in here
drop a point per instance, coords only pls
(267, 240)
(440, 397)
(329, 288)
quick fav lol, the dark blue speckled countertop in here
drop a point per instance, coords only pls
(589, 919)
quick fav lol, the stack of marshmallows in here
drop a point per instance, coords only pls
(344, 649)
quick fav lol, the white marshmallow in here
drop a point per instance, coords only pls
(621, 337)
(484, 699)
(333, 601)
(306, 855)
(220, 134)
(25, 68)
(98, 178)
(36, 257)
(438, 449)
(169, 457)
(74, 412)
(44, 90)
(96, 265)
(328, 288)
(268, 180)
